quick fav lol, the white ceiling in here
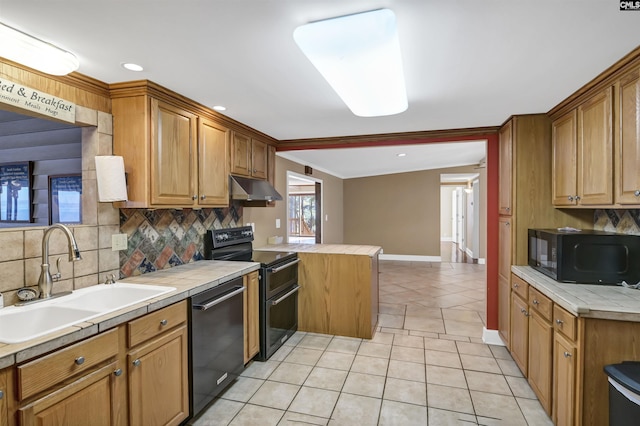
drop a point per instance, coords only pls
(468, 63)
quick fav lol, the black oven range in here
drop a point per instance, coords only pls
(278, 288)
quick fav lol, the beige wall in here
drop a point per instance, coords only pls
(265, 217)
(399, 212)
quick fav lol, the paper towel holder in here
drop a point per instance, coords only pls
(111, 178)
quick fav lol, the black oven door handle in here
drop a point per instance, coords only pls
(217, 300)
(280, 268)
(289, 293)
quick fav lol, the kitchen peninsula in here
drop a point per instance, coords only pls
(338, 288)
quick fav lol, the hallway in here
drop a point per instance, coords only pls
(425, 366)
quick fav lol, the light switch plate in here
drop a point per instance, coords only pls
(277, 223)
(118, 242)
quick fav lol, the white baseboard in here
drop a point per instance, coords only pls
(410, 258)
(491, 337)
(482, 261)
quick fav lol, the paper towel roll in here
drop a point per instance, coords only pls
(112, 185)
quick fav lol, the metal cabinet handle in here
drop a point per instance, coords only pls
(559, 322)
(535, 302)
(570, 197)
(516, 285)
(577, 198)
(136, 363)
(118, 372)
(508, 209)
(637, 193)
(202, 197)
(164, 322)
(1, 394)
(194, 197)
(507, 224)
(79, 360)
(567, 355)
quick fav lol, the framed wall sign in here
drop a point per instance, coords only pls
(65, 198)
(15, 192)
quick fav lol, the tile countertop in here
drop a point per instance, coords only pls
(324, 248)
(189, 279)
(586, 300)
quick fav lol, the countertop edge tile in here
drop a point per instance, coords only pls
(585, 300)
(188, 279)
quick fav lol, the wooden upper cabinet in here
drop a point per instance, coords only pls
(506, 161)
(213, 169)
(248, 156)
(240, 154)
(564, 161)
(627, 158)
(258, 159)
(595, 150)
(173, 153)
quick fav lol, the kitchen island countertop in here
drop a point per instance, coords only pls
(189, 279)
(586, 300)
(364, 250)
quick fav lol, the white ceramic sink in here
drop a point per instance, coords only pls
(22, 323)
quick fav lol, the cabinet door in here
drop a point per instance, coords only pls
(94, 399)
(251, 316)
(258, 159)
(540, 360)
(628, 149)
(504, 311)
(240, 154)
(173, 155)
(564, 165)
(213, 171)
(506, 159)
(504, 278)
(158, 381)
(564, 388)
(519, 332)
(7, 410)
(595, 150)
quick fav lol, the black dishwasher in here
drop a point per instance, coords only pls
(216, 342)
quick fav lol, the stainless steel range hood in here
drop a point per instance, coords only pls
(248, 189)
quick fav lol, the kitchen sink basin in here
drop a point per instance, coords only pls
(22, 323)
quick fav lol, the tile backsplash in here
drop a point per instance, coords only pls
(160, 239)
(621, 221)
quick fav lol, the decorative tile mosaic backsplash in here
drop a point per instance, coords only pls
(160, 239)
(621, 221)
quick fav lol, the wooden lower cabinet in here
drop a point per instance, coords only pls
(133, 374)
(540, 358)
(158, 367)
(519, 332)
(251, 316)
(93, 399)
(564, 381)
(158, 380)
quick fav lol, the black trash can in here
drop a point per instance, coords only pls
(624, 393)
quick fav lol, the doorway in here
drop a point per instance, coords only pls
(459, 218)
(304, 209)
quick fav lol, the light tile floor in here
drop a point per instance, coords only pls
(426, 365)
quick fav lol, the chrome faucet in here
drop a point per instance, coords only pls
(45, 283)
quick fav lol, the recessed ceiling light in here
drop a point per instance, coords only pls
(219, 108)
(132, 67)
(402, 154)
(359, 56)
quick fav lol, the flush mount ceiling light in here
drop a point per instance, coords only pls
(219, 108)
(359, 55)
(24, 49)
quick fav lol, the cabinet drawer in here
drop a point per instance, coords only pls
(52, 369)
(564, 322)
(519, 286)
(156, 323)
(541, 303)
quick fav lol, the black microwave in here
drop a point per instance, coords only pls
(587, 257)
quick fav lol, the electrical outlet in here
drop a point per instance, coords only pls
(277, 223)
(119, 242)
